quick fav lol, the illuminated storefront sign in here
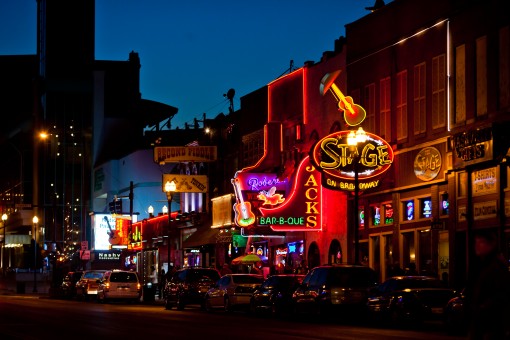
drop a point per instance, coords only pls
(426, 208)
(484, 181)
(336, 160)
(186, 183)
(176, 154)
(472, 147)
(302, 211)
(102, 230)
(483, 210)
(427, 164)
(388, 213)
(110, 256)
(281, 252)
(253, 191)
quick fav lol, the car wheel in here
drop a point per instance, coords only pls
(253, 307)
(227, 306)
(207, 305)
(180, 302)
(168, 305)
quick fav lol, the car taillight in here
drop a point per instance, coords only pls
(138, 286)
(107, 286)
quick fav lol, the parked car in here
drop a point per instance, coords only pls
(275, 294)
(68, 285)
(334, 288)
(189, 286)
(232, 291)
(119, 284)
(87, 286)
(410, 298)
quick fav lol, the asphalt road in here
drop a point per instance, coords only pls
(32, 317)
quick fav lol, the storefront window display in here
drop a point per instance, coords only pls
(408, 250)
(382, 214)
(376, 215)
(408, 210)
(388, 213)
(425, 208)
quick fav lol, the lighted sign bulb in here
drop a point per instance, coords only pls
(165, 209)
(351, 138)
(361, 135)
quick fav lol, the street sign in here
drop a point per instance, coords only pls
(85, 254)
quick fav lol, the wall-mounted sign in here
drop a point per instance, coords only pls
(426, 208)
(108, 256)
(186, 183)
(302, 211)
(427, 164)
(483, 210)
(281, 252)
(222, 211)
(472, 147)
(177, 154)
(338, 162)
(253, 191)
(485, 181)
(388, 213)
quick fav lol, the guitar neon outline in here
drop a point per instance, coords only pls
(114, 237)
(354, 114)
(244, 217)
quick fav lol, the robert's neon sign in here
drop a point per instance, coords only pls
(302, 211)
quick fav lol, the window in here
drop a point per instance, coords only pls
(408, 210)
(481, 76)
(388, 213)
(504, 67)
(361, 217)
(375, 211)
(445, 204)
(460, 84)
(420, 117)
(439, 91)
(425, 208)
(401, 106)
(385, 108)
(369, 106)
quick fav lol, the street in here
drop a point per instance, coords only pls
(33, 317)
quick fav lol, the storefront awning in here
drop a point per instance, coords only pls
(17, 240)
(201, 237)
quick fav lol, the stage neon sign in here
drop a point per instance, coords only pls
(302, 211)
(338, 161)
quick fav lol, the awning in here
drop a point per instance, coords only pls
(17, 240)
(201, 237)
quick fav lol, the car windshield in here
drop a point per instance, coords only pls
(202, 275)
(418, 283)
(282, 281)
(240, 279)
(123, 277)
(93, 275)
(353, 277)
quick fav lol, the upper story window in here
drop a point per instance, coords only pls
(401, 105)
(439, 92)
(419, 95)
(385, 108)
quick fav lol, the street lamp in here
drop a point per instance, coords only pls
(35, 220)
(4, 221)
(353, 139)
(170, 188)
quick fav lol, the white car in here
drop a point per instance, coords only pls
(119, 284)
(232, 291)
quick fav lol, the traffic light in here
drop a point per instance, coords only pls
(115, 206)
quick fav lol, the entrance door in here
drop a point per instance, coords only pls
(335, 252)
(314, 257)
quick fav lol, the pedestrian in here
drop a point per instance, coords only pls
(162, 281)
(154, 278)
(487, 292)
(226, 269)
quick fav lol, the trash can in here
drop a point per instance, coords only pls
(149, 292)
(20, 287)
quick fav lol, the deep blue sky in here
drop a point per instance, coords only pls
(192, 52)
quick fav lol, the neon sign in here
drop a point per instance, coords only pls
(302, 211)
(336, 160)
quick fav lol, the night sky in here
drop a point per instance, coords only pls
(192, 52)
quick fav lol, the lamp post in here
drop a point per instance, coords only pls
(353, 139)
(35, 220)
(4, 221)
(170, 188)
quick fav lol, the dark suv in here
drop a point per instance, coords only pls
(328, 289)
(188, 286)
(69, 284)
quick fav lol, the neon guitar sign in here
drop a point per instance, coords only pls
(354, 114)
(244, 216)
